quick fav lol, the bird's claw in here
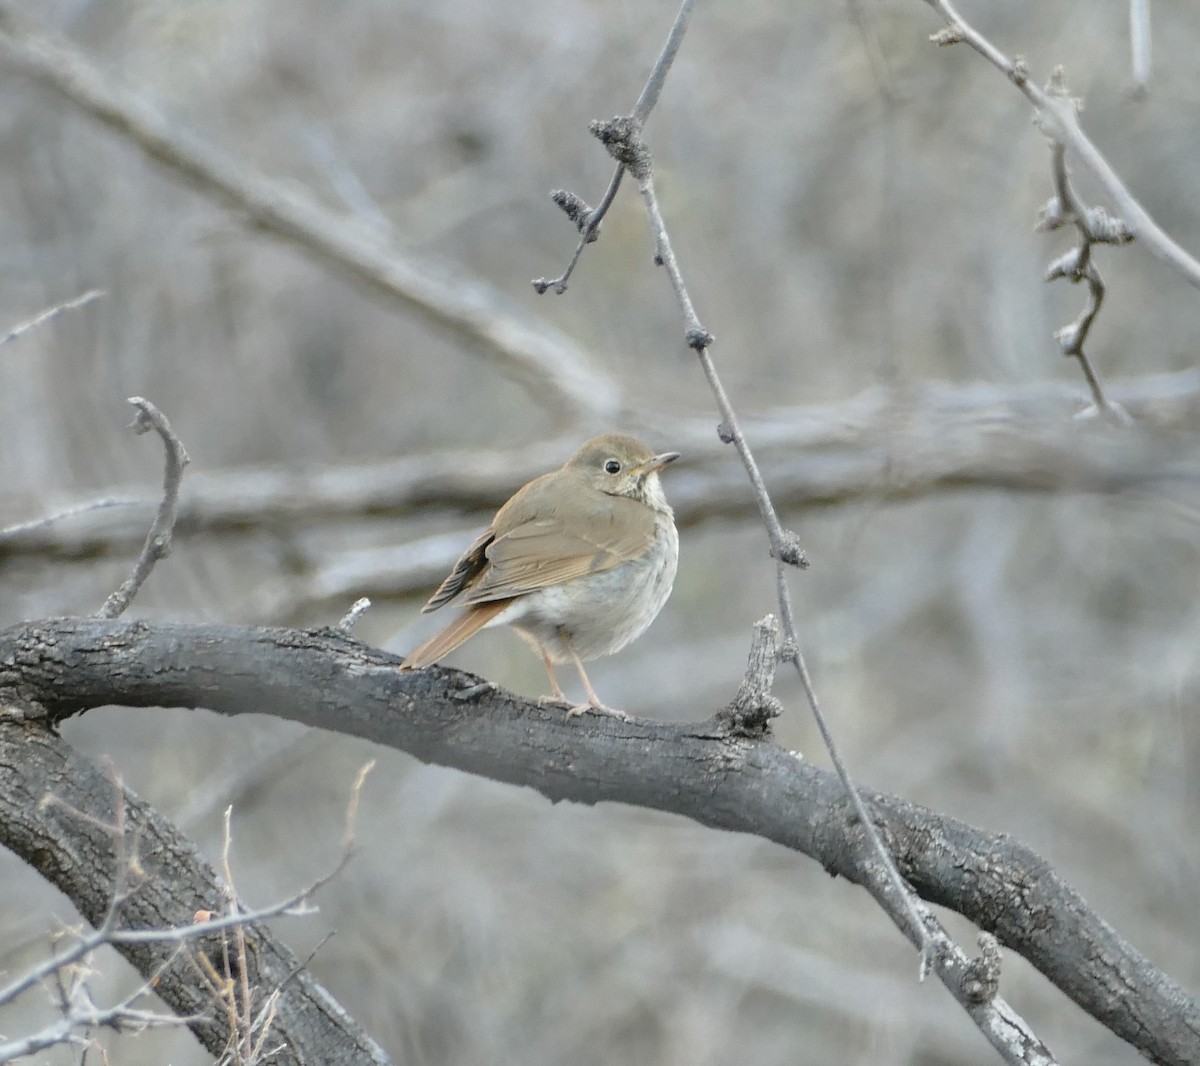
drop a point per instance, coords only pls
(597, 708)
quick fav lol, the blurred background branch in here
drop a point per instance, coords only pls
(882, 446)
(546, 362)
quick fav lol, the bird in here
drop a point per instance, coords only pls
(578, 562)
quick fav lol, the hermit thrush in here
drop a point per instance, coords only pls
(579, 562)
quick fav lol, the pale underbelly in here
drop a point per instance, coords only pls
(598, 614)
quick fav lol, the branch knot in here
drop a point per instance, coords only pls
(753, 706)
(788, 550)
(622, 136)
(981, 980)
(947, 35)
(578, 211)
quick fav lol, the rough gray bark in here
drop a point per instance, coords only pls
(62, 667)
(70, 843)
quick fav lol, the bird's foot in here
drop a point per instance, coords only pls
(596, 707)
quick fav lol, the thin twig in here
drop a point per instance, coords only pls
(1058, 118)
(294, 906)
(241, 1020)
(236, 917)
(354, 614)
(784, 545)
(662, 65)
(588, 221)
(1095, 226)
(350, 829)
(1004, 1029)
(158, 540)
(58, 516)
(50, 313)
(80, 1012)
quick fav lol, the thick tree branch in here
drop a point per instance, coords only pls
(70, 843)
(324, 679)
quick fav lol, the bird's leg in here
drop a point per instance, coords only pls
(556, 691)
(594, 702)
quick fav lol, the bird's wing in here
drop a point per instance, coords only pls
(465, 571)
(538, 546)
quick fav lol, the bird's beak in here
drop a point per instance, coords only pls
(655, 462)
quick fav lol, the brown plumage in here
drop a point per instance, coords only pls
(579, 561)
(445, 640)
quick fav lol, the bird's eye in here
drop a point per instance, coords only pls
(612, 466)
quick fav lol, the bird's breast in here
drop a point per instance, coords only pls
(601, 613)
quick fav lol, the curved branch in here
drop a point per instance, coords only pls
(62, 667)
(158, 540)
(72, 844)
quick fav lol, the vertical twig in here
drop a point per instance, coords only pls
(1139, 43)
(158, 540)
(1004, 1029)
(1094, 226)
(622, 138)
(585, 218)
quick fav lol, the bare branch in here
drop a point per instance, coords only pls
(152, 900)
(622, 138)
(696, 770)
(586, 220)
(51, 313)
(158, 540)
(1058, 119)
(1095, 227)
(753, 706)
(547, 362)
(108, 933)
(18, 529)
(81, 1013)
(662, 65)
(357, 608)
(882, 446)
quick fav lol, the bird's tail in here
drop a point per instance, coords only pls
(443, 642)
